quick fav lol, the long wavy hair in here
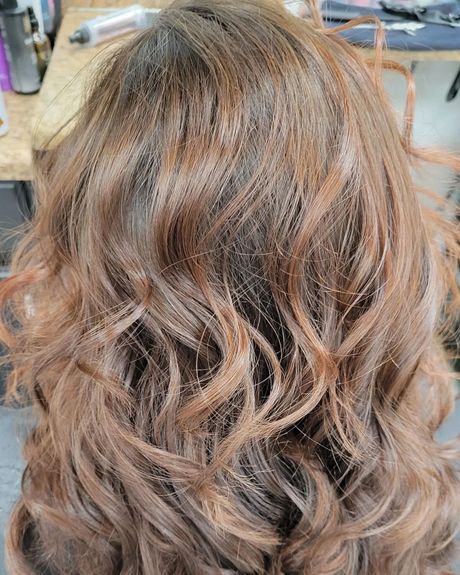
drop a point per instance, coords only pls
(228, 313)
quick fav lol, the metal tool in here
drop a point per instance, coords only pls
(407, 27)
(350, 13)
(422, 14)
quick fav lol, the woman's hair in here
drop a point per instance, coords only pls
(229, 311)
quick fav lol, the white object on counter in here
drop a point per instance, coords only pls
(109, 26)
(3, 117)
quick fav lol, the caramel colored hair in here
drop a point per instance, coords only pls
(228, 313)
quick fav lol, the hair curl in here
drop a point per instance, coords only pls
(228, 312)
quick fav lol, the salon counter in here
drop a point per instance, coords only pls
(34, 120)
(16, 146)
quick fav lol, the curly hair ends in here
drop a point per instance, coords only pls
(228, 313)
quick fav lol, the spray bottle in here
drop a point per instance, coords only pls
(19, 48)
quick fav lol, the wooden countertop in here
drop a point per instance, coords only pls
(35, 119)
(16, 146)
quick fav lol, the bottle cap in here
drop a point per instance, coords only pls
(80, 36)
